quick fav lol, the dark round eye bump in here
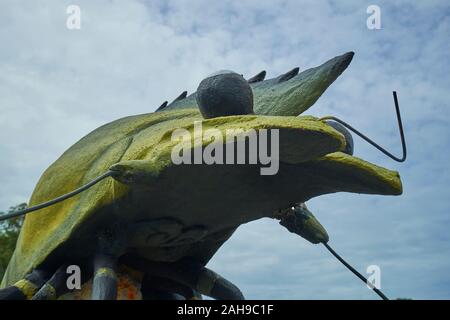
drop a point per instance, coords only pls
(224, 93)
(348, 136)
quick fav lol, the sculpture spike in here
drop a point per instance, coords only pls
(273, 98)
(257, 78)
(162, 106)
(289, 75)
(181, 96)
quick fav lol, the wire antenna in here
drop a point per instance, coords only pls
(56, 200)
(376, 145)
(355, 272)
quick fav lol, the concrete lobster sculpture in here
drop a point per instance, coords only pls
(149, 227)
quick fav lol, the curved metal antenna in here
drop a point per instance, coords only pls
(400, 127)
(56, 200)
(355, 272)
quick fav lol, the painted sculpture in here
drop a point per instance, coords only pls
(149, 229)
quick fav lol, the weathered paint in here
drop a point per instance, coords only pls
(291, 97)
(310, 153)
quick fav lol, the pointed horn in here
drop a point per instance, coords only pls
(293, 97)
(164, 104)
(289, 75)
(259, 77)
(181, 96)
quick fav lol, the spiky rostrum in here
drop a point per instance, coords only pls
(163, 221)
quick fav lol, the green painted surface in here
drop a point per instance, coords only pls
(288, 98)
(205, 203)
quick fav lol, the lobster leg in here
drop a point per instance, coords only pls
(25, 288)
(111, 244)
(190, 274)
(105, 278)
(213, 285)
(54, 287)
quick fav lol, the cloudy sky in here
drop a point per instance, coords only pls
(56, 85)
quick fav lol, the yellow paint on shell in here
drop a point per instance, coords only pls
(148, 136)
(26, 287)
(369, 175)
(43, 231)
